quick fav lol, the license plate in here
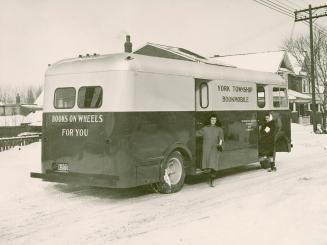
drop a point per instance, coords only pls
(62, 167)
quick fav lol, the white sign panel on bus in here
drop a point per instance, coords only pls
(230, 95)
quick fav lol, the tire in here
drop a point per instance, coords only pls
(172, 174)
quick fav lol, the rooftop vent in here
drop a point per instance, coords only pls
(128, 44)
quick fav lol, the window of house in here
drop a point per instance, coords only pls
(279, 97)
(283, 97)
(204, 95)
(64, 98)
(305, 86)
(261, 96)
(89, 97)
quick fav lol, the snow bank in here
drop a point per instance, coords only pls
(15, 120)
(34, 118)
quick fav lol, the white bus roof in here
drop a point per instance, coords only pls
(142, 63)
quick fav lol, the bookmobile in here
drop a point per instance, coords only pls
(125, 120)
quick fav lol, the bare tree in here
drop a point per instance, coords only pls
(27, 93)
(30, 96)
(299, 48)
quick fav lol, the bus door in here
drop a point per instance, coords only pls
(202, 110)
(235, 105)
(273, 98)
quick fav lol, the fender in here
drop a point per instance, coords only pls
(185, 151)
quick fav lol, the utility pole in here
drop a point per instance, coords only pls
(305, 15)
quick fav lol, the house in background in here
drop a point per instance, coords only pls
(34, 115)
(284, 64)
(18, 108)
(9, 109)
(11, 114)
(17, 118)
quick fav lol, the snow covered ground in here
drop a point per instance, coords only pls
(248, 206)
(16, 120)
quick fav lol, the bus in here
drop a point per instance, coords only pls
(125, 120)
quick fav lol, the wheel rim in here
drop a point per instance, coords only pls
(174, 170)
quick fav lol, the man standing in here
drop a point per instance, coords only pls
(267, 140)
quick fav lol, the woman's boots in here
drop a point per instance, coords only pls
(213, 175)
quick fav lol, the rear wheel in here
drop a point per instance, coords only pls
(172, 174)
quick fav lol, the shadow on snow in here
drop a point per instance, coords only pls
(126, 193)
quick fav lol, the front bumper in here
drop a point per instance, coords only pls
(100, 180)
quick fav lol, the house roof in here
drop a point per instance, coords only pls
(296, 66)
(171, 52)
(39, 100)
(9, 105)
(264, 61)
(34, 118)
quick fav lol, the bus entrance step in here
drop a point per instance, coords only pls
(202, 171)
(199, 171)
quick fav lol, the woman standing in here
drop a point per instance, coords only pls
(267, 140)
(213, 138)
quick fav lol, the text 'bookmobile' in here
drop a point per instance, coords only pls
(126, 120)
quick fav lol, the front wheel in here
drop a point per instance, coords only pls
(172, 174)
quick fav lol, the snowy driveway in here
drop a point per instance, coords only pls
(249, 206)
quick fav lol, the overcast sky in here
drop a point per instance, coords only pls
(35, 33)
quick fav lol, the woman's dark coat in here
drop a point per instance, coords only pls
(267, 138)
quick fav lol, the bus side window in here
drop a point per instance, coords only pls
(89, 97)
(279, 97)
(64, 98)
(261, 96)
(204, 95)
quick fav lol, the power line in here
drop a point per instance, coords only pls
(322, 30)
(273, 8)
(286, 5)
(278, 7)
(260, 52)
